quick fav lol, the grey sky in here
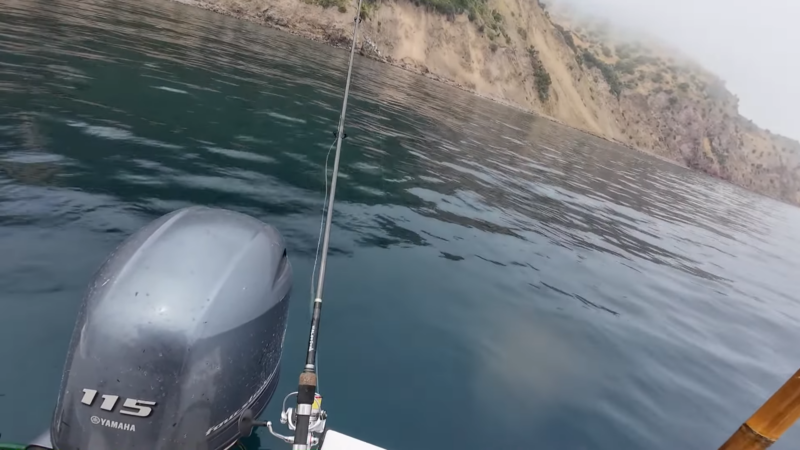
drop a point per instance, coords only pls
(753, 45)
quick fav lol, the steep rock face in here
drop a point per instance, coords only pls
(681, 129)
(500, 68)
(514, 52)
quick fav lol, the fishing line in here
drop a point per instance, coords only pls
(321, 226)
(319, 242)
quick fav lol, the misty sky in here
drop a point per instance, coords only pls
(754, 45)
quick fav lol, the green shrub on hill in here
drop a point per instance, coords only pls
(568, 39)
(626, 66)
(327, 3)
(474, 8)
(607, 70)
(541, 77)
(498, 18)
(477, 11)
(623, 51)
(367, 9)
(644, 59)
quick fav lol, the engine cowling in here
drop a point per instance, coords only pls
(180, 331)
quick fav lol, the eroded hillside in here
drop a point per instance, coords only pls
(515, 52)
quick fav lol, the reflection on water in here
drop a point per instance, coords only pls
(539, 284)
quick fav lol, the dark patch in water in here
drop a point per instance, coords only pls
(491, 261)
(582, 300)
(433, 235)
(450, 256)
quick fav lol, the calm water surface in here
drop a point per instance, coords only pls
(497, 281)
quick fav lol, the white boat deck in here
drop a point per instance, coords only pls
(339, 441)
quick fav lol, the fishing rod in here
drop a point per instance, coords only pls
(308, 419)
(307, 387)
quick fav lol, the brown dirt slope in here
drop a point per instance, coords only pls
(577, 73)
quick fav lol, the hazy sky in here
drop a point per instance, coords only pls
(754, 45)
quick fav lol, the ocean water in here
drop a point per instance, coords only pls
(496, 280)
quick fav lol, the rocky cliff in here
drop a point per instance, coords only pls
(520, 53)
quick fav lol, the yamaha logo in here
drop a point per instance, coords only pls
(112, 424)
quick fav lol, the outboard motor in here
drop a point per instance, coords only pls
(180, 333)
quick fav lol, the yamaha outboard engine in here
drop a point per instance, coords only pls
(181, 332)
